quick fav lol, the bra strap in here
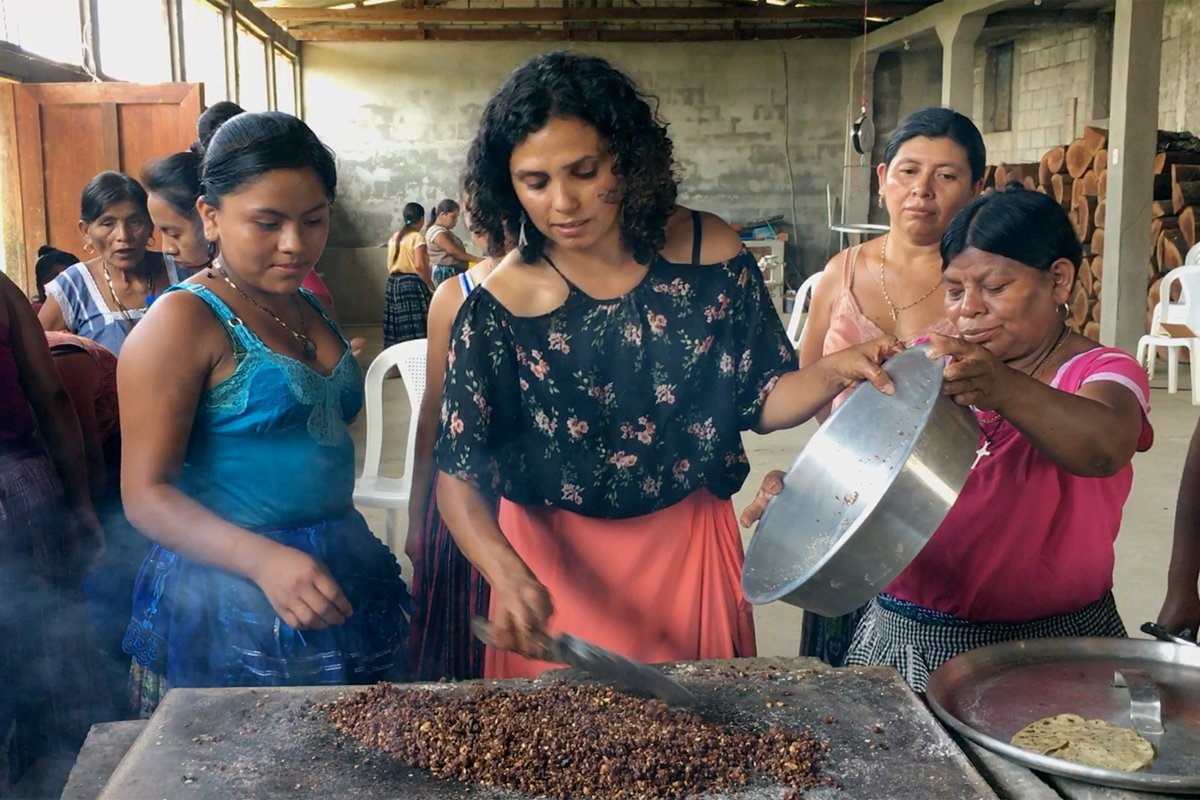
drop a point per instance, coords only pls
(559, 271)
(697, 235)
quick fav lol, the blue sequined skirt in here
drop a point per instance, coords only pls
(199, 626)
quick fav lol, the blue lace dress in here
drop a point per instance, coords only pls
(269, 451)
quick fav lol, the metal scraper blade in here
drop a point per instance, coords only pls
(622, 672)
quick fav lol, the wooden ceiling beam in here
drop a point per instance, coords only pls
(333, 33)
(290, 17)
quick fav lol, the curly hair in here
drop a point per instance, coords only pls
(587, 88)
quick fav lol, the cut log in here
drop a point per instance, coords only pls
(1161, 208)
(1183, 173)
(1092, 329)
(1164, 161)
(1079, 307)
(1162, 187)
(1157, 226)
(1102, 184)
(1077, 192)
(1030, 182)
(1185, 194)
(1079, 158)
(989, 176)
(1096, 309)
(1154, 294)
(1056, 159)
(1091, 183)
(1189, 224)
(1152, 273)
(1084, 276)
(1097, 247)
(1085, 218)
(1172, 247)
(1095, 138)
(1044, 172)
(1101, 208)
(1100, 160)
(1000, 176)
(1060, 187)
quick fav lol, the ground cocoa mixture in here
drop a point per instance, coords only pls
(572, 741)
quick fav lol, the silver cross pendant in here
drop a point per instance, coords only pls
(980, 453)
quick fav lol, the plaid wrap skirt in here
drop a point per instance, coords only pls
(406, 309)
(916, 641)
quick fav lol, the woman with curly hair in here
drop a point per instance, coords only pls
(600, 378)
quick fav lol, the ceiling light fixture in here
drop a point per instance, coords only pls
(366, 3)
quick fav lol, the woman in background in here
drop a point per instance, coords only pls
(446, 251)
(102, 299)
(410, 284)
(51, 263)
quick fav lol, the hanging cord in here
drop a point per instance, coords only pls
(864, 56)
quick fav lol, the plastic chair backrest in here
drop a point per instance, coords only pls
(795, 326)
(1185, 310)
(409, 359)
(1193, 255)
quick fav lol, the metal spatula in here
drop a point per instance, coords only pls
(605, 665)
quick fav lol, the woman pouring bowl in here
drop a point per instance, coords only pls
(1060, 416)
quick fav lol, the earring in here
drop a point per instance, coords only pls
(881, 201)
(212, 250)
(88, 248)
(150, 242)
(522, 240)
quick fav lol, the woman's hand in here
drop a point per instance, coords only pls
(863, 363)
(522, 607)
(1181, 611)
(772, 485)
(301, 590)
(973, 377)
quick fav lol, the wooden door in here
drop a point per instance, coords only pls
(54, 137)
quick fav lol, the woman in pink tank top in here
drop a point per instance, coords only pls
(892, 285)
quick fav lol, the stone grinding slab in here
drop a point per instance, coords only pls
(270, 743)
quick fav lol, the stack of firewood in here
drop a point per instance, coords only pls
(1076, 176)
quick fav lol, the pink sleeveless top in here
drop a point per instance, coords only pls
(1027, 539)
(848, 325)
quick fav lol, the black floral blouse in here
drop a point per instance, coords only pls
(614, 408)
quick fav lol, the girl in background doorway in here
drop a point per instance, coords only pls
(410, 284)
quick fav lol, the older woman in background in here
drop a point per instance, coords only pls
(446, 251)
(102, 299)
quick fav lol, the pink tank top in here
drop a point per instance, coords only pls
(848, 325)
(1027, 539)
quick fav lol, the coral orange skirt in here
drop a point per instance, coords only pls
(661, 587)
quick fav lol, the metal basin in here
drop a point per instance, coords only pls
(865, 495)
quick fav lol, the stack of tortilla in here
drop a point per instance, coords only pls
(1086, 741)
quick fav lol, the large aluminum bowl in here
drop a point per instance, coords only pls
(873, 484)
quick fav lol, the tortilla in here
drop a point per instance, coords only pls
(1093, 742)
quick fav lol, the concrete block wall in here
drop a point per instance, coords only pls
(1179, 90)
(749, 120)
(1053, 78)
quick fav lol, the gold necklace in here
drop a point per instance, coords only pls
(117, 301)
(307, 346)
(882, 285)
(996, 418)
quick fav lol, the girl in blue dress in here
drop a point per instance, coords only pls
(236, 394)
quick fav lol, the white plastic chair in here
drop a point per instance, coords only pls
(1184, 312)
(372, 489)
(795, 326)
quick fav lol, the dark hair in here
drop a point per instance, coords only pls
(213, 118)
(252, 144)
(49, 259)
(108, 189)
(1029, 227)
(412, 213)
(587, 88)
(443, 207)
(941, 123)
(177, 179)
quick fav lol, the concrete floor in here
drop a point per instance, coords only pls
(1143, 548)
